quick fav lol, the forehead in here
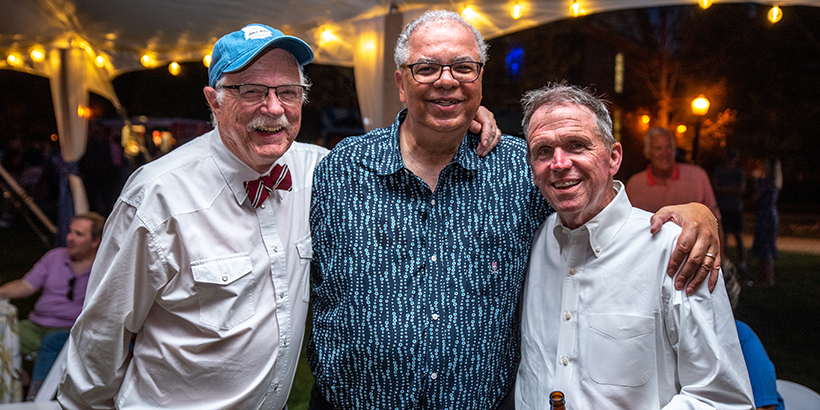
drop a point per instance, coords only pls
(661, 139)
(81, 225)
(271, 64)
(562, 120)
(442, 40)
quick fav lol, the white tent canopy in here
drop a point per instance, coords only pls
(84, 44)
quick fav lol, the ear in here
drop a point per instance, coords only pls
(400, 84)
(210, 95)
(615, 158)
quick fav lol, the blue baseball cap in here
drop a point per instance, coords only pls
(234, 51)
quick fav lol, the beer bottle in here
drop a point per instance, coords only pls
(557, 400)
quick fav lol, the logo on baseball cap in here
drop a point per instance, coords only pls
(234, 51)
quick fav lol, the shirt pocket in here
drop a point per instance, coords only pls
(304, 248)
(620, 349)
(494, 271)
(224, 288)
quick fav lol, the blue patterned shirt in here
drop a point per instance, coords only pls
(415, 293)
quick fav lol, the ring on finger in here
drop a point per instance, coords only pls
(709, 255)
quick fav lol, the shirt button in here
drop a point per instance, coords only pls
(565, 360)
(281, 295)
(433, 258)
(572, 271)
(406, 171)
(433, 202)
(284, 342)
(567, 316)
(224, 278)
(276, 387)
(262, 206)
(598, 249)
(275, 249)
(435, 316)
(566, 231)
(434, 376)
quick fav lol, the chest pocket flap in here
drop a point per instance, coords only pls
(222, 271)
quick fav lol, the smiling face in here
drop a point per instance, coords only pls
(571, 165)
(445, 106)
(258, 133)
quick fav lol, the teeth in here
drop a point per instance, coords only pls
(445, 103)
(565, 184)
(269, 130)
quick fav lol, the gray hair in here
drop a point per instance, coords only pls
(556, 94)
(220, 92)
(401, 53)
(654, 131)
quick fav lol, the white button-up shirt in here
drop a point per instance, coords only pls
(213, 291)
(602, 322)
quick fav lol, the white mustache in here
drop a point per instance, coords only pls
(267, 122)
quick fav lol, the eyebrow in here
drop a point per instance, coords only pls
(461, 59)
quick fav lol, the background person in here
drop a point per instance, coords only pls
(666, 182)
(768, 181)
(61, 277)
(616, 334)
(729, 182)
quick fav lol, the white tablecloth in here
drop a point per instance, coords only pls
(11, 389)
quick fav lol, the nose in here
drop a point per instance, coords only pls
(560, 159)
(271, 104)
(446, 80)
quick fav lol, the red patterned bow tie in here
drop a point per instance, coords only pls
(259, 189)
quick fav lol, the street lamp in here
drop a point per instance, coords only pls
(700, 106)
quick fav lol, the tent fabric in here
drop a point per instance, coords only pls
(110, 37)
(341, 32)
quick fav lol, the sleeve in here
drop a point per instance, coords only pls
(36, 277)
(710, 368)
(124, 282)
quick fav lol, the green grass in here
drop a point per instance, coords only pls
(785, 316)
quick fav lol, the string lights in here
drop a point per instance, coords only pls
(775, 14)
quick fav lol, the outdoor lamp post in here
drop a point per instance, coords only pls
(700, 106)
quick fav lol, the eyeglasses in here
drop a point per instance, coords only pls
(463, 72)
(254, 93)
(71, 282)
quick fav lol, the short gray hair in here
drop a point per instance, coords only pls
(401, 53)
(556, 94)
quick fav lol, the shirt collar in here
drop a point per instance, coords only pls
(602, 227)
(650, 176)
(233, 170)
(391, 162)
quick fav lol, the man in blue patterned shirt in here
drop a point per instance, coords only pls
(420, 246)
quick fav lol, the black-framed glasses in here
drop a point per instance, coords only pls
(463, 71)
(71, 282)
(254, 93)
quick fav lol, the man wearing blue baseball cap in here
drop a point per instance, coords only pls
(199, 295)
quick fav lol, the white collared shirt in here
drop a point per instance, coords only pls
(602, 322)
(214, 290)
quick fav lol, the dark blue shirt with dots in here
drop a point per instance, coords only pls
(414, 292)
